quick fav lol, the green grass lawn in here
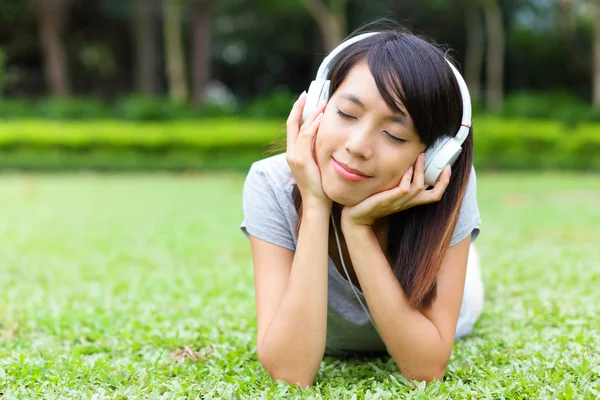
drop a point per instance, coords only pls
(140, 286)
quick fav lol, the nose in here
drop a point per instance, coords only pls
(358, 144)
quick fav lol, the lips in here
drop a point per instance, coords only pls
(346, 173)
(352, 170)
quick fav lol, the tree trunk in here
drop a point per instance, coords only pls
(331, 19)
(51, 22)
(474, 51)
(596, 57)
(565, 16)
(201, 45)
(145, 35)
(334, 30)
(495, 55)
(175, 61)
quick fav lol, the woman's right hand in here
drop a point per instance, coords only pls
(300, 154)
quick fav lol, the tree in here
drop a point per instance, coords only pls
(474, 48)
(52, 20)
(174, 54)
(145, 37)
(565, 16)
(495, 55)
(596, 55)
(331, 19)
(201, 45)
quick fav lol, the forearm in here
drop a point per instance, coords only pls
(294, 344)
(413, 340)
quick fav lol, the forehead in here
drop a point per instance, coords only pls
(361, 83)
(359, 74)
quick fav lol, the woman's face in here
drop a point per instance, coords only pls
(369, 138)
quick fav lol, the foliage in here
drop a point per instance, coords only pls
(2, 70)
(276, 104)
(128, 108)
(224, 143)
(268, 56)
(71, 109)
(562, 106)
(559, 105)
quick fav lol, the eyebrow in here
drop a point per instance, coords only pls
(356, 100)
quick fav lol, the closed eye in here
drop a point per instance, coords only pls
(345, 115)
(394, 138)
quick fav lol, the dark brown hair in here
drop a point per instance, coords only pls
(408, 68)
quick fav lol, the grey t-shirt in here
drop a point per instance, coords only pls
(270, 215)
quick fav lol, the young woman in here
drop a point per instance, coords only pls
(354, 182)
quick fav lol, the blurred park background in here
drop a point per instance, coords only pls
(124, 272)
(206, 84)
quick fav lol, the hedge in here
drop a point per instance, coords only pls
(235, 143)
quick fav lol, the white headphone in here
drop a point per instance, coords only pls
(443, 152)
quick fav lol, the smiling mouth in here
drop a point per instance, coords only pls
(344, 173)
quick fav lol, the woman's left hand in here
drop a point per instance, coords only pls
(409, 193)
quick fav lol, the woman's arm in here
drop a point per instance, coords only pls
(293, 338)
(419, 342)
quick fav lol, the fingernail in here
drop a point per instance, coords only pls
(319, 117)
(410, 170)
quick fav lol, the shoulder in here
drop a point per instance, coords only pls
(268, 207)
(469, 219)
(274, 169)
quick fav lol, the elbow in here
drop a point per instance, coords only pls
(427, 375)
(292, 378)
(429, 369)
(290, 374)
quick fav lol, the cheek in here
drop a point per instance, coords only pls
(395, 175)
(322, 145)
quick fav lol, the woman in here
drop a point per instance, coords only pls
(352, 181)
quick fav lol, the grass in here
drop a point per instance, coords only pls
(140, 286)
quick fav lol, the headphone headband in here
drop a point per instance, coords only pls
(464, 91)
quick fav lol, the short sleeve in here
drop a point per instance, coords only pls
(264, 217)
(469, 220)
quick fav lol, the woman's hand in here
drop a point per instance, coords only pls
(409, 193)
(300, 154)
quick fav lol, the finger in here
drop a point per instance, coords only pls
(309, 121)
(307, 137)
(404, 187)
(294, 120)
(418, 183)
(406, 180)
(435, 194)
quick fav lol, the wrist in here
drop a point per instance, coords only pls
(348, 226)
(318, 206)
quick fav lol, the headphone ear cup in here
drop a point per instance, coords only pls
(318, 93)
(437, 157)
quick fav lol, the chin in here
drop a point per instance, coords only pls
(342, 197)
(335, 188)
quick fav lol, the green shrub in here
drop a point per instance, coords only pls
(235, 143)
(213, 110)
(557, 105)
(16, 109)
(141, 108)
(276, 104)
(71, 109)
(2, 70)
